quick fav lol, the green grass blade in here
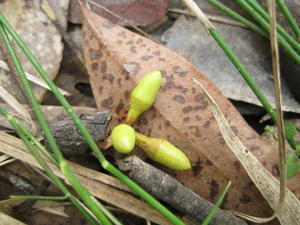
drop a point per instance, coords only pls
(289, 17)
(214, 209)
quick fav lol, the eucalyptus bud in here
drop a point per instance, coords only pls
(163, 152)
(143, 96)
(123, 138)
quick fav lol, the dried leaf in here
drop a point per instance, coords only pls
(117, 59)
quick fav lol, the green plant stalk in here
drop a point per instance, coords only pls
(39, 198)
(282, 42)
(238, 17)
(214, 209)
(16, 125)
(289, 17)
(87, 136)
(83, 193)
(262, 17)
(239, 66)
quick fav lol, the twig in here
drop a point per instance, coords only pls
(216, 18)
(166, 188)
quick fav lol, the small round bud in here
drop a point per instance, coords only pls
(123, 138)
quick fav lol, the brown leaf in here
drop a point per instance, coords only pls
(136, 12)
(117, 59)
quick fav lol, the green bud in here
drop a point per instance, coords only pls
(123, 138)
(143, 96)
(163, 152)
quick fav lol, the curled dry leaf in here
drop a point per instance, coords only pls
(117, 59)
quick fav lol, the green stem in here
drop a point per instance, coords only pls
(17, 126)
(239, 66)
(87, 136)
(282, 42)
(214, 209)
(38, 198)
(238, 17)
(252, 6)
(289, 17)
(83, 193)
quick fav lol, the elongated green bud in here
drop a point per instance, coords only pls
(143, 96)
(123, 138)
(163, 152)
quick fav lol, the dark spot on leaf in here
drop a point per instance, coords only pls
(161, 59)
(237, 165)
(187, 109)
(181, 88)
(146, 57)
(119, 82)
(159, 127)
(168, 123)
(214, 189)
(144, 121)
(109, 77)
(119, 42)
(202, 106)
(186, 119)
(235, 129)
(120, 106)
(193, 90)
(248, 186)
(106, 103)
(95, 54)
(197, 132)
(127, 95)
(129, 42)
(197, 167)
(246, 151)
(103, 67)
(95, 66)
(182, 74)
(207, 124)
(179, 98)
(245, 199)
(199, 97)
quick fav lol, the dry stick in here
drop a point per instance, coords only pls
(200, 15)
(166, 188)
